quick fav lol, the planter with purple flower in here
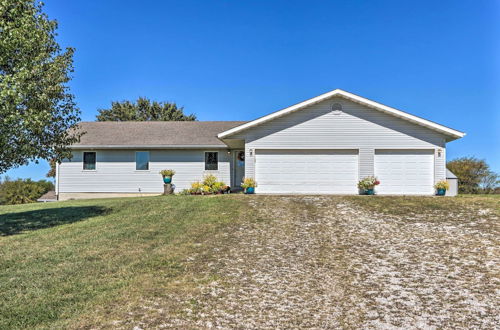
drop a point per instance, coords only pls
(367, 185)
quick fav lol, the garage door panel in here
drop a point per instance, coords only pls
(307, 171)
(405, 171)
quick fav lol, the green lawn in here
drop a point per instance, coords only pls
(197, 261)
(63, 264)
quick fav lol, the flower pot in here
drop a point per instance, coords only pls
(441, 192)
(250, 190)
(370, 191)
(167, 179)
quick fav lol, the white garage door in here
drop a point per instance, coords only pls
(405, 172)
(307, 171)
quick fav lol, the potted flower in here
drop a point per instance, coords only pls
(167, 175)
(367, 185)
(249, 185)
(441, 187)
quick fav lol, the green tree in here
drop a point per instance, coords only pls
(490, 183)
(52, 172)
(143, 110)
(37, 111)
(470, 172)
(23, 191)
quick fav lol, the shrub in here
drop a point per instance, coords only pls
(443, 184)
(167, 172)
(23, 191)
(209, 185)
(196, 187)
(209, 179)
(217, 187)
(368, 183)
(248, 183)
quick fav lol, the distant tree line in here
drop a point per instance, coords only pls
(23, 191)
(474, 176)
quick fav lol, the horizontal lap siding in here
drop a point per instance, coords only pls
(356, 127)
(440, 165)
(115, 171)
(366, 164)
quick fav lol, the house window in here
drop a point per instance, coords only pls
(211, 161)
(89, 160)
(142, 160)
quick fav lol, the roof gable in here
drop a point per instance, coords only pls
(453, 134)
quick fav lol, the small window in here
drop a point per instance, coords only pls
(89, 160)
(211, 161)
(142, 160)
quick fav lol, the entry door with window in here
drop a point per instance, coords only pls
(239, 167)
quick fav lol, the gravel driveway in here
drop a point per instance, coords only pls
(328, 262)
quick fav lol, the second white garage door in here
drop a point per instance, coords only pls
(307, 171)
(405, 172)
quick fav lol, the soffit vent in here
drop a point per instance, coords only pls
(337, 108)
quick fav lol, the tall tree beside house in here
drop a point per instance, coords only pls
(37, 111)
(474, 175)
(144, 110)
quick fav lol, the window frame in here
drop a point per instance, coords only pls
(216, 163)
(83, 161)
(149, 160)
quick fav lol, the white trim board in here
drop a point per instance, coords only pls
(355, 98)
(147, 147)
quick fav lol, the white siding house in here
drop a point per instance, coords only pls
(180, 146)
(320, 146)
(115, 172)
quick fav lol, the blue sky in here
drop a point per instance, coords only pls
(238, 60)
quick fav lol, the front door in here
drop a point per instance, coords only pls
(239, 167)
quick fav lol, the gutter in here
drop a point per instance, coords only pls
(149, 146)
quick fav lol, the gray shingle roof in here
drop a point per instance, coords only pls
(153, 133)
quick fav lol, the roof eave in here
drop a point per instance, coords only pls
(170, 146)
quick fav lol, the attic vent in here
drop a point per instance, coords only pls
(337, 108)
